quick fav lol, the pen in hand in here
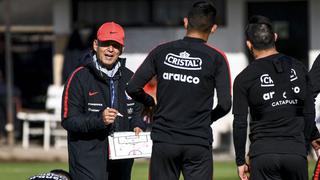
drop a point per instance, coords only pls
(118, 114)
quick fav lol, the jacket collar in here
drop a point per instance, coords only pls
(89, 61)
(191, 39)
(110, 73)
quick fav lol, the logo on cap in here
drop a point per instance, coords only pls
(111, 31)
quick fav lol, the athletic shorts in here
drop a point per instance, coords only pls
(168, 160)
(278, 167)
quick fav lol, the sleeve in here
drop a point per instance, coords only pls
(310, 130)
(136, 120)
(74, 116)
(315, 77)
(240, 123)
(140, 78)
(223, 88)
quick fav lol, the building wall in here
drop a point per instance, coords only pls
(62, 30)
(229, 38)
(314, 14)
(35, 12)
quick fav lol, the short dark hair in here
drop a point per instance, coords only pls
(202, 16)
(259, 32)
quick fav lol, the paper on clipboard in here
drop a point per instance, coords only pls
(124, 145)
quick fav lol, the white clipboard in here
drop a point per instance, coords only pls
(124, 145)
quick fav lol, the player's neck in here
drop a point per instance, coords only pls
(194, 34)
(264, 53)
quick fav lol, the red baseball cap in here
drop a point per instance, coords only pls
(111, 31)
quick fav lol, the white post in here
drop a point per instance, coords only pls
(61, 28)
(46, 137)
(25, 135)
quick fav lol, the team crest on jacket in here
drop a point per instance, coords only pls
(130, 110)
(183, 61)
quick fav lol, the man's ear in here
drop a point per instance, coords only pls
(249, 45)
(185, 22)
(95, 45)
(214, 28)
(275, 37)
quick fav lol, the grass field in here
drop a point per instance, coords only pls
(23, 170)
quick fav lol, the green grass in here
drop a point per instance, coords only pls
(23, 170)
(222, 170)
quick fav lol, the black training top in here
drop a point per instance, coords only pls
(276, 91)
(315, 76)
(187, 72)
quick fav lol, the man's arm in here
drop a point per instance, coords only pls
(136, 122)
(223, 88)
(314, 85)
(310, 130)
(74, 116)
(315, 77)
(240, 124)
(140, 78)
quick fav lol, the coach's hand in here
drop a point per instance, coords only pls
(137, 131)
(243, 172)
(109, 115)
(316, 146)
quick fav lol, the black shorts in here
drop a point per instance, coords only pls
(120, 169)
(168, 160)
(279, 167)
